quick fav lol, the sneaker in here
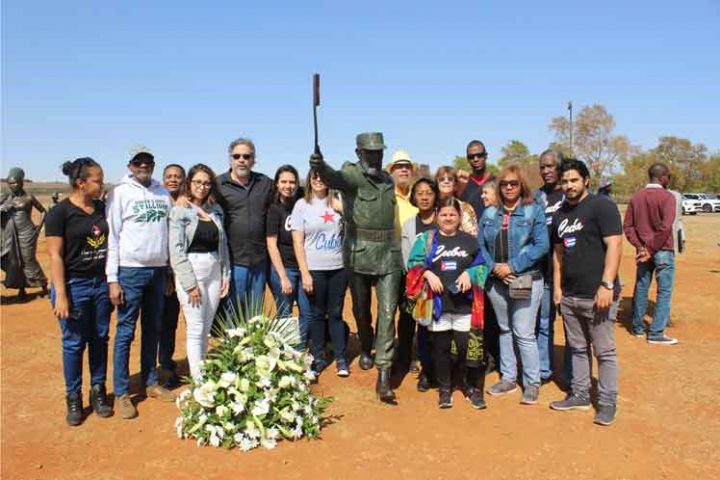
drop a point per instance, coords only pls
(571, 402)
(664, 340)
(74, 415)
(127, 409)
(639, 334)
(162, 394)
(605, 414)
(99, 401)
(476, 398)
(530, 395)
(503, 387)
(445, 398)
(342, 369)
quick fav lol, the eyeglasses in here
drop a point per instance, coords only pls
(446, 179)
(244, 156)
(472, 156)
(201, 184)
(509, 183)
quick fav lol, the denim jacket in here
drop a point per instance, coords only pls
(528, 240)
(183, 224)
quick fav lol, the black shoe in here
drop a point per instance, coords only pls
(445, 398)
(173, 380)
(99, 401)
(382, 387)
(476, 397)
(74, 409)
(423, 384)
(545, 381)
(365, 362)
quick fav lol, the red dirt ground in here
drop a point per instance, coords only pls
(668, 422)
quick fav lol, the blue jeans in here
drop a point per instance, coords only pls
(248, 283)
(143, 288)
(545, 331)
(663, 264)
(88, 323)
(327, 303)
(516, 319)
(284, 303)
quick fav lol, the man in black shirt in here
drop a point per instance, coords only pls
(587, 237)
(245, 196)
(551, 197)
(173, 179)
(470, 187)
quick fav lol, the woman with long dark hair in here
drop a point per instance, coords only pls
(285, 279)
(514, 241)
(199, 258)
(76, 232)
(317, 233)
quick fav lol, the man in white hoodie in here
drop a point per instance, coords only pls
(137, 213)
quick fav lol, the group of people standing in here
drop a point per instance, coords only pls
(460, 256)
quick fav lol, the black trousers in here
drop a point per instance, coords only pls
(442, 345)
(168, 327)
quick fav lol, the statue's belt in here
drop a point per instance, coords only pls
(374, 235)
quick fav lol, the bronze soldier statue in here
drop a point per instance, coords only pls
(20, 236)
(371, 250)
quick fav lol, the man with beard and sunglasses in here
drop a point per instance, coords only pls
(246, 196)
(587, 238)
(470, 186)
(137, 215)
(371, 250)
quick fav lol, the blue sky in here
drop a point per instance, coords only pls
(185, 78)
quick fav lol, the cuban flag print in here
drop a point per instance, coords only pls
(448, 266)
(569, 242)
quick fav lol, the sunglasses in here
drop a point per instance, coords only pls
(136, 162)
(244, 156)
(473, 156)
(446, 179)
(509, 183)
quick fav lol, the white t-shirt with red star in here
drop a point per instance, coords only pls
(323, 233)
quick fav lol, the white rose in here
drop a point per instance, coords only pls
(286, 381)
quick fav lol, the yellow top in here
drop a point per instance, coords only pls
(403, 210)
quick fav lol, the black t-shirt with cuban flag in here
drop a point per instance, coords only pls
(454, 254)
(581, 229)
(84, 238)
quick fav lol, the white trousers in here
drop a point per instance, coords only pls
(199, 320)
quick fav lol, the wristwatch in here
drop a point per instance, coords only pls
(607, 284)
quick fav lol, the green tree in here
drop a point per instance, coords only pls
(594, 140)
(516, 152)
(685, 159)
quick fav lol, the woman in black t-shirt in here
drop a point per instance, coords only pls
(284, 279)
(76, 233)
